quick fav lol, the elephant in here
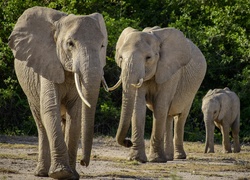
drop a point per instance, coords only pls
(221, 107)
(160, 69)
(59, 61)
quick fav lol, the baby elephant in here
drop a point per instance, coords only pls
(222, 108)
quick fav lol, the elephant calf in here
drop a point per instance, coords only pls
(222, 108)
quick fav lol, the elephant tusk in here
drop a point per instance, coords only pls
(104, 84)
(78, 87)
(139, 84)
(116, 85)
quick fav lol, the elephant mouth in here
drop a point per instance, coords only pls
(78, 87)
(119, 82)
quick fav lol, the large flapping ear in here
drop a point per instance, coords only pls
(103, 29)
(32, 40)
(175, 52)
(120, 42)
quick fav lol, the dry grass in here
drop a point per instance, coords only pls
(216, 165)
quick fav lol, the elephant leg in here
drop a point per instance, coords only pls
(157, 153)
(168, 141)
(43, 163)
(72, 134)
(225, 139)
(51, 118)
(235, 133)
(137, 151)
(179, 123)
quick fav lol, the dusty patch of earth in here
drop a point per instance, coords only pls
(108, 161)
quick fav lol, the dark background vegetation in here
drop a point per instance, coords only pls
(220, 28)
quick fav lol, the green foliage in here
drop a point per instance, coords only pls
(220, 28)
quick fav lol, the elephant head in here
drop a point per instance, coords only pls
(53, 43)
(215, 105)
(143, 55)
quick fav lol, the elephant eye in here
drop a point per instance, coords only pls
(148, 58)
(70, 44)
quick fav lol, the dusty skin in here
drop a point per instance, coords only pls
(108, 161)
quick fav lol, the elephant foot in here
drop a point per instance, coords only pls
(180, 155)
(179, 152)
(59, 171)
(75, 175)
(157, 159)
(227, 151)
(237, 150)
(135, 155)
(170, 157)
(41, 171)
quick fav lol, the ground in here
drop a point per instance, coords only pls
(108, 161)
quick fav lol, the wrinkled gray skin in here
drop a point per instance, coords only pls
(172, 69)
(221, 107)
(50, 48)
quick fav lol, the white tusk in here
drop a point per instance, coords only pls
(104, 84)
(138, 84)
(116, 85)
(78, 87)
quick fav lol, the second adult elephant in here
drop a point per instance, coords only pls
(58, 59)
(163, 70)
(221, 107)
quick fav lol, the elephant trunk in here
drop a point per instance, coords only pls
(130, 79)
(90, 74)
(125, 119)
(209, 124)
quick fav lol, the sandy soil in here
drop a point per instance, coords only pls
(108, 161)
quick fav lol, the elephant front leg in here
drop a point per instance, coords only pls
(72, 134)
(157, 153)
(43, 163)
(51, 118)
(137, 151)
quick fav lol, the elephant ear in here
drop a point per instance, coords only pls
(103, 29)
(225, 103)
(175, 52)
(149, 29)
(121, 41)
(32, 40)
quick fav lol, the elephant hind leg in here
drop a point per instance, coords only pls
(179, 123)
(225, 139)
(235, 133)
(43, 164)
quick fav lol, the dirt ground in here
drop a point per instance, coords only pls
(108, 161)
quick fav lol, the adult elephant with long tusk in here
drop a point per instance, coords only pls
(59, 62)
(162, 69)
